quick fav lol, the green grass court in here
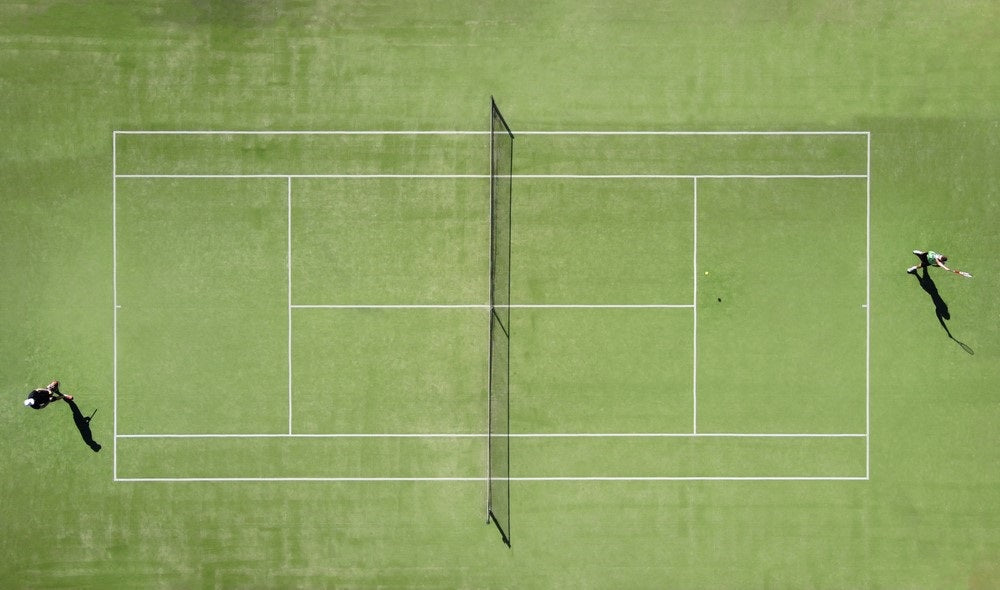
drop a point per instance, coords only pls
(256, 238)
(348, 308)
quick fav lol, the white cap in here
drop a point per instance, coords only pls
(29, 402)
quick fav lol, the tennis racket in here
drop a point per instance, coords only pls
(963, 273)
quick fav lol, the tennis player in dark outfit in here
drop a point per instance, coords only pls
(40, 398)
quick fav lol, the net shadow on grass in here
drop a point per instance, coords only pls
(940, 307)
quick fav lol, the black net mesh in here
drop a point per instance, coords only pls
(501, 170)
(499, 435)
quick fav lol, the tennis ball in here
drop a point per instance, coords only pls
(706, 273)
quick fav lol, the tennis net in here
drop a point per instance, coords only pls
(498, 468)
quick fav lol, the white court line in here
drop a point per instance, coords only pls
(695, 133)
(513, 176)
(293, 132)
(290, 479)
(479, 480)
(289, 213)
(680, 176)
(697, 478)
(694, 346)
(868, 301)
(512, 435)
(286, 175)
(475, 132)
(395, 306)
(512, 306)
(114, 297)
(602, 305)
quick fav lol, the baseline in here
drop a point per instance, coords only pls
(512, 435)
(476, 479)
(467, 132)
(487, 176)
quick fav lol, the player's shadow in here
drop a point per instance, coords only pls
(83, 425)
(940, 307)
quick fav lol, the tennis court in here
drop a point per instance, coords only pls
(259, 242)
(314, 306)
